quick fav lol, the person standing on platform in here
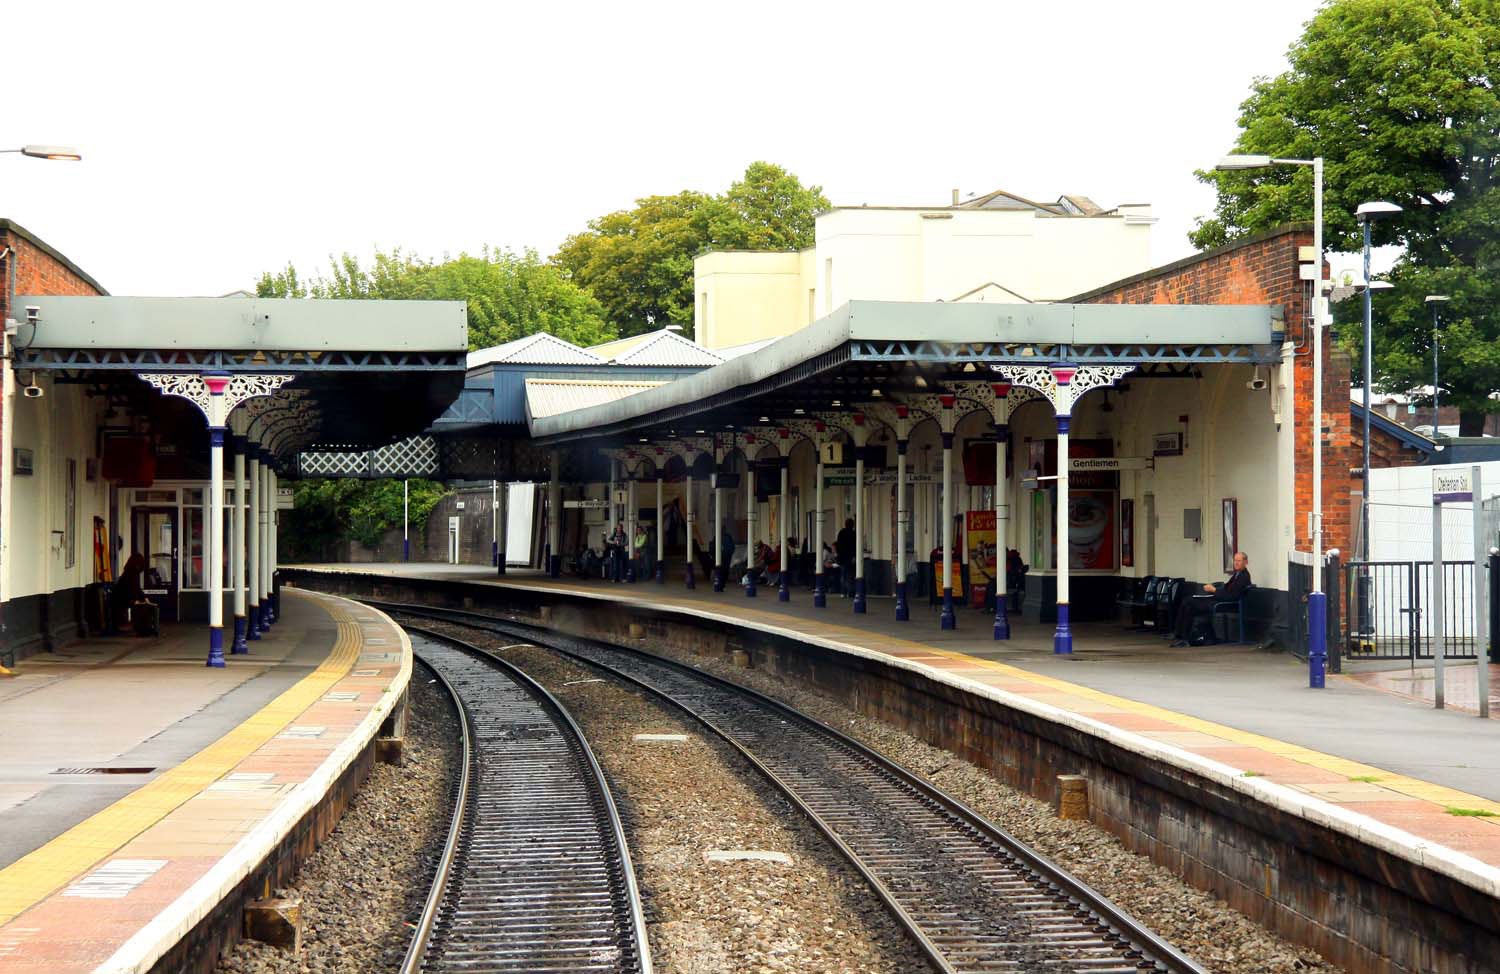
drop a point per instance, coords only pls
(638, 548)
(1203, 605)
(843, 546)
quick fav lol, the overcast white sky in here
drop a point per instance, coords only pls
(224, 139)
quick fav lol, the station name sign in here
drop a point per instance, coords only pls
(1451, 486)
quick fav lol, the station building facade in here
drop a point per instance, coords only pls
(997, 247)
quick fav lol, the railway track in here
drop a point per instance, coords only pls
(973, 897)
(535, 874)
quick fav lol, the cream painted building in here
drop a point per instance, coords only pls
(998, 247)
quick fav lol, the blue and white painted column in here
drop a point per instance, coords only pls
(252, 531)
(718, 543)
(750, 444)
(661, 533)
(267, 557)
(900, 417)
(632, 516)
(215, 394)
(237, 542)
(820, 579)
(495, 520)
(948, 618)
(1063, 384)
(861, 437)
(1002, 400)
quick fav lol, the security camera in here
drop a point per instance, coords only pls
(33, 392)
(33, 313)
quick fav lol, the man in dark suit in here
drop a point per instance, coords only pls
(1203, 604)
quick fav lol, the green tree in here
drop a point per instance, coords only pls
(325, 512)
(509, 295)
(639, 262)
(1401, 98)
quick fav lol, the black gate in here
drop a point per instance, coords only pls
(1387, 609)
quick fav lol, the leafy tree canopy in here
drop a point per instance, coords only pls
(1401, 99)
(639, 262)
(510, 295)
(325, 512)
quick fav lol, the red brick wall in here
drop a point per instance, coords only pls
(35, 271)
(1263, 269)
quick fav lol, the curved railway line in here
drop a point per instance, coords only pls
(535, 874)
(973, 897)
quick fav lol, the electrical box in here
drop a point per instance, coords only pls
(1192, 524)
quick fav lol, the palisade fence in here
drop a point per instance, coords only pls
(1387, 605)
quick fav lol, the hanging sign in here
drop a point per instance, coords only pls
(284, 499)
(1110, 464)
(592, 503)
(832, 453)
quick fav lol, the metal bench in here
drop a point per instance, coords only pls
(1139, 596)
(1224, 608)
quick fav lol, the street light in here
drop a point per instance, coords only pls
(55, 152)
(1317, 603)
(1435, 300)
(1368, 213)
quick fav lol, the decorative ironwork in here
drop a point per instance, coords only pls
(240, 361)
(196, 389)
(988, 353)
(1076, 380)
(1000, 408)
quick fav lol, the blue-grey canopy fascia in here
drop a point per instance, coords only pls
(944, 337)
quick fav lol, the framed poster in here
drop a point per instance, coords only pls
(1231, 532)
(1091, 530)
(1042, 530)
(1127, 533)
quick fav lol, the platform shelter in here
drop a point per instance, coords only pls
(149, 436)
(1099, 441)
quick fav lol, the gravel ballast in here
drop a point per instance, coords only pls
(370, 878)
(1209, 930)
(681, 801)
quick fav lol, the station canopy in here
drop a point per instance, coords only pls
(870, 351)
(371, 372)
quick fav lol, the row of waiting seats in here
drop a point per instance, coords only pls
(1152, 603)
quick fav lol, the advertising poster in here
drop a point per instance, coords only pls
(980, 528)
(1091, 530)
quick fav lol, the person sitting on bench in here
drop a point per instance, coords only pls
(1203, 605)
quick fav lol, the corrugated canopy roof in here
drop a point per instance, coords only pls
(548, 397)
(538, 349)
(667, 348)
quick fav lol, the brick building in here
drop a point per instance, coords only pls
(1264, 269)
(28, 265)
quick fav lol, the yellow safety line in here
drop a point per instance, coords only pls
(1399, 783)
(40, 873)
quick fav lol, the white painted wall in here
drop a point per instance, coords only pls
(56, 428)
(1401, 514)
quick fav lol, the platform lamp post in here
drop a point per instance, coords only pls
(1317, 604)
(1368, 213)
(1435, 300)
(57, 153)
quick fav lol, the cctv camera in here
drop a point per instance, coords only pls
(33, 392)
(33, 313)
(1256, 383)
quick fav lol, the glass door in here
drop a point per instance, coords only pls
(153, 535)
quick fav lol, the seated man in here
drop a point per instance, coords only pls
(1203, 605)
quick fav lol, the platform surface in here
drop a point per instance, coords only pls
(102, 871)
(1355, 744)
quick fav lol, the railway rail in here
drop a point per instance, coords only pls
(973, 897)
(535, 874)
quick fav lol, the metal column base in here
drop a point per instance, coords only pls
(820, 591)
(252, 622)
(1062, 638)
(784, 587)
(216, 646)
(1317, 639)
(859, 596)
(903, 608)
(1002, 621)
(948, 620)
(690, 577)
(238, 646)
